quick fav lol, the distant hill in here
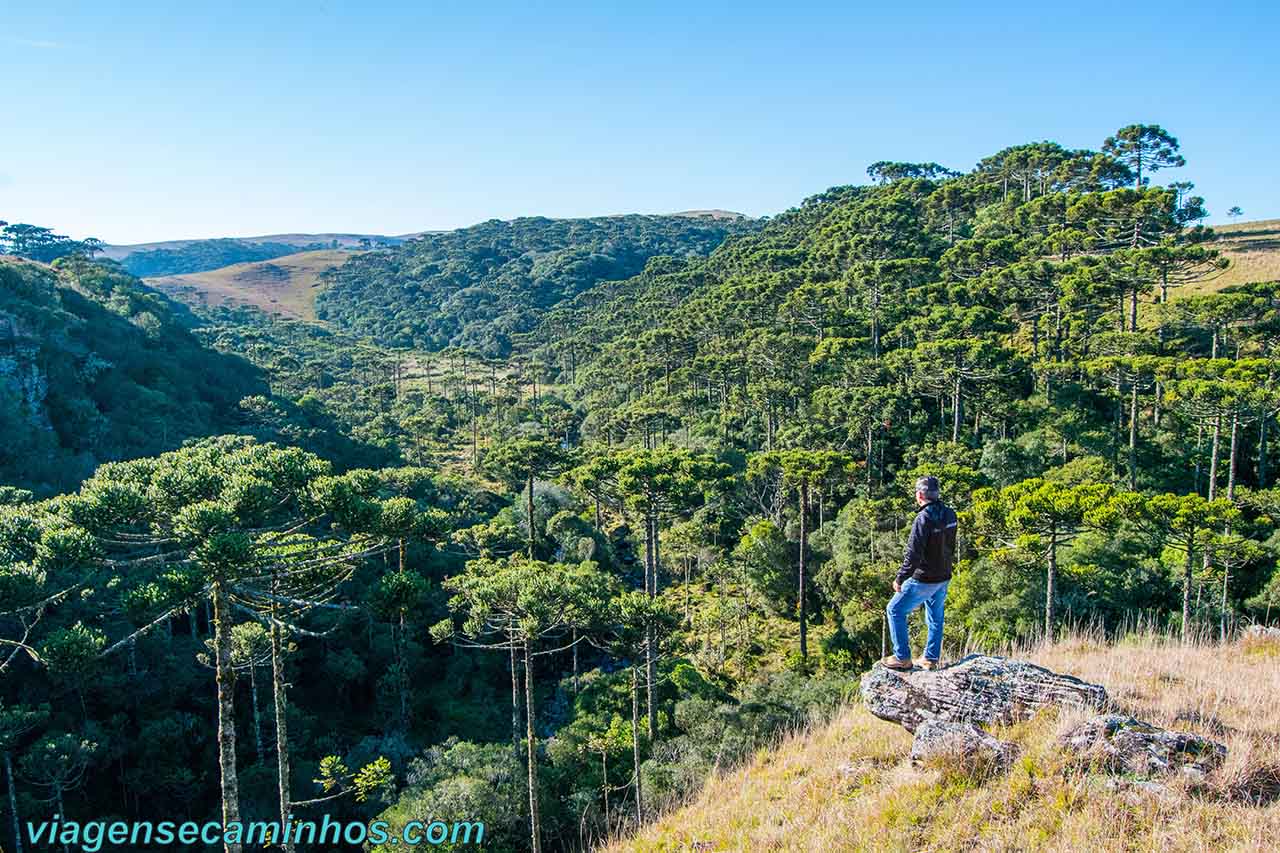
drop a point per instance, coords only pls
(712, 214)
(285, 285)
(478, 287)
(177, 257)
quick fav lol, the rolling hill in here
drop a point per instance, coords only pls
(177, 257)
(481, 287)
(285, 285)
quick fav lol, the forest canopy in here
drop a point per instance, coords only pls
(477, 287)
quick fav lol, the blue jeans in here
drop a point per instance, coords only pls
(934, 598)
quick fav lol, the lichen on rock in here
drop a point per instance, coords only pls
(979, 689)
(959, 742)
(1121, 744)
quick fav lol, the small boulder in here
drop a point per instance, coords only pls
(964, 743)
(979, 689)
(1123, 744)
(1262, 632)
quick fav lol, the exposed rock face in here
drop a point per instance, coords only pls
(1122, 744)
(20, 369)
(961, 741)
(979, 689)
(1263, 632)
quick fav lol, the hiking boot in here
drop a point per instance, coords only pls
(930, 665)
(893, 662)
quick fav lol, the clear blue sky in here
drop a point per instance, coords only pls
(148, 121)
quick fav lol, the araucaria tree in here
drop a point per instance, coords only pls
(1040, 517)
(804, 471)
(656, 484)
(524, 604)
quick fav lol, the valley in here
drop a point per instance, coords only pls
(585, 528)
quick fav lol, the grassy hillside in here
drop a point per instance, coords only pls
(286, 285)
(1253, 250)
(178, 257)
(848, 785)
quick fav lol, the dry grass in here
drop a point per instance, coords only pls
(849, 786)
(1253, 250)
(285, 286)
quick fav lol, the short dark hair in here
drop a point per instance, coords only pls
(929, 487)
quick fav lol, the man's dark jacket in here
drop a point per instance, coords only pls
(931, 547)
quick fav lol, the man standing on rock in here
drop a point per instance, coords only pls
(924, 576)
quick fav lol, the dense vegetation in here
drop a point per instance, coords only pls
(477, 287)
(94, 366)
(623, 531)
(38, 243)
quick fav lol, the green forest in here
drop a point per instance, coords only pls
(547, 520)
(477, 288)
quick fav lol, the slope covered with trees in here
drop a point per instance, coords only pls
(94, 366)
(1016, 329)
(553, 590)
(477, 287)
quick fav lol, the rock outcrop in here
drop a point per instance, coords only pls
(961, 742)
(1121, 744)
(947, 709)
(979, 689)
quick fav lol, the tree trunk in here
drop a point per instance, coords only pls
(515, 694)
(1222, 616)
(257, 713)
(535, 822)
(955, 411)
(650, 641)
(869, 454)
(1186, 592)
(604, 772)
(226, 712)
(1051, 578)
(1199, 461)
(13, 802)
(1133, 437)
(1215, 447)
(280, 698)
(1231, 464)
(635, 740)
(804, 541)
(1262, 450)
(530, 505)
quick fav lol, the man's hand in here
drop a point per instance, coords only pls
(897, 585)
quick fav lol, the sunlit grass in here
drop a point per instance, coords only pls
(849, 786)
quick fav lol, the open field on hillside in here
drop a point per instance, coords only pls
(286, 285)
(1253, 248)
(849, 786)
